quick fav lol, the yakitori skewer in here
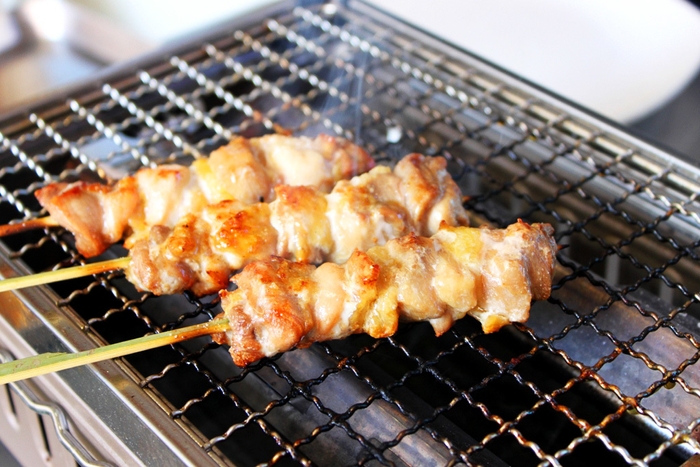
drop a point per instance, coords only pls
(244, 170)
(202, 251)
(490, 274)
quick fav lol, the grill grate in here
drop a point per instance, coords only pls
(604, 372)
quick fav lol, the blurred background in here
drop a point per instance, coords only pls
(636, 62)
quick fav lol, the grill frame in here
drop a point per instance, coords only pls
(616, 149)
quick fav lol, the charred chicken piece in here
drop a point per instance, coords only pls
(200, 252)
(244, 171)
(490, 274)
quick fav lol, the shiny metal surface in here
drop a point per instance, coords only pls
(112, 409)
(59, 417)
(51, 44)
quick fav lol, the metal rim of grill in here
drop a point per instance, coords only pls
(605, 371)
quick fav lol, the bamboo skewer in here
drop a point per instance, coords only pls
(42, 364)
(57, 275)
(29, 224)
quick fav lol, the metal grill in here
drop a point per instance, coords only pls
(605, 371)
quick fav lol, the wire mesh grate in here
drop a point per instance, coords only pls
(605, 371)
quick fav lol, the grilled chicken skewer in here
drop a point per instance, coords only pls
(200, 252)
(490, 274)
(245, 170)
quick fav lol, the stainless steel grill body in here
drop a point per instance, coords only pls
(605, 371)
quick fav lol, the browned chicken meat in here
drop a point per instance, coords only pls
(245, 171)
(200, 252)
(492, 275)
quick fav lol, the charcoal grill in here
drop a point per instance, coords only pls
(605, 371)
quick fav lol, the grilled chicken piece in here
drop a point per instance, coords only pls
(492, 275)
(201, 251)
(245, 170)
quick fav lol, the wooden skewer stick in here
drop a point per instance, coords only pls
(49, 277)
(42, 364)
(29, 224)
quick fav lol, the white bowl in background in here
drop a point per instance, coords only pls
(620, 58)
